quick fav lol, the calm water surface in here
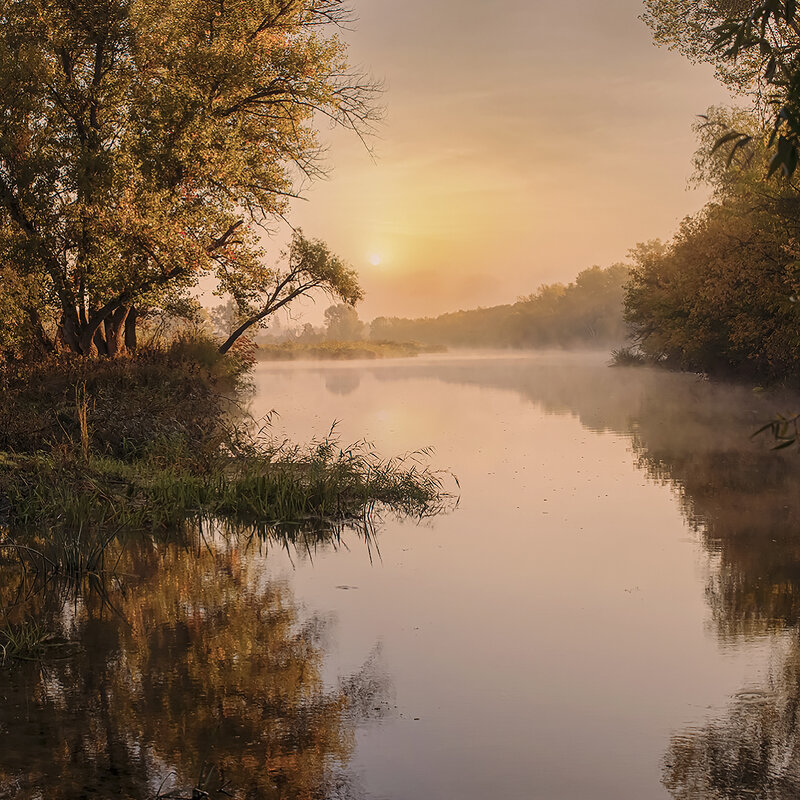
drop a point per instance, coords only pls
(610, 612)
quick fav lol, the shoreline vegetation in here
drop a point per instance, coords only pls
(93, 452)
(721, 296)
(343, 351)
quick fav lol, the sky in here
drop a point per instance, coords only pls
(522, 141)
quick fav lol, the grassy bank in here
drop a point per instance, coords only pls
(341, 351)
(91, 448)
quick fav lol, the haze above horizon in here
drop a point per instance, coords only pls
(521, 144)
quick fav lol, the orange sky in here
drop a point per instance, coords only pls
(524, 140)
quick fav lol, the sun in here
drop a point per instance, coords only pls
(375, 259)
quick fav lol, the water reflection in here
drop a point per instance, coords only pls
(736, 492)
(197, 658)
(190, 670)
(741, 499)
(750, 752)
(343, 382)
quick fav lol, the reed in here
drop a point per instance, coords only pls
(28, 640)
(270, 483)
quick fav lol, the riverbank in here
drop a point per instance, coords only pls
(150, 442)
(343, 351)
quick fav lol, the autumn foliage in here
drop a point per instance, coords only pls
(145, 143)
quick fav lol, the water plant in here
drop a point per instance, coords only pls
(28, 640)
(628, 357)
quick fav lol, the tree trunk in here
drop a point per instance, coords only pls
(42, 339)
(105, 333)
(93, 341)
(130, 329)
(99, 346)
(69, 332)
(228, 343)
(115, 332)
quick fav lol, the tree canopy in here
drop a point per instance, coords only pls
(755, 49)
(145, 143)
(722, 295)
(309, 265)
(342, 323)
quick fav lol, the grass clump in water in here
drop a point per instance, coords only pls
(29, 640)
(629, 357)
(266, 484)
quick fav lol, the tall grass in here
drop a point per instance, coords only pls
(100, 458)
(267, 482)
(29, 640)
(88, 447)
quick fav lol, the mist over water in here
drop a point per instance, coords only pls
(621, 571)
(610, 612)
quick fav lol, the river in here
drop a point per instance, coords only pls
(609, 612)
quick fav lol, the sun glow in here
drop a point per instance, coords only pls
(375, 259)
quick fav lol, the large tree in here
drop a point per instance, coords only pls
(144, 142)
(342, 324)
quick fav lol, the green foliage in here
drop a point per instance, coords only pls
(755, 47)
(183, 389)
(264, 483)
(309, 266)
(143, 144)
(785, 431)
(720, 297)
(585, 313)
(28, 640)
(690, 26)
(151, 442)
(22, 333)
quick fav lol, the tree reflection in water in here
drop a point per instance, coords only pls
(199, 661)
(751, 752)
(742, 499)
(186, 661)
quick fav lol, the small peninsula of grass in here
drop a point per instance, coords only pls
(89, 448)
(343, 351)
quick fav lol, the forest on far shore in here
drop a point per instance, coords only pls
(585, 313)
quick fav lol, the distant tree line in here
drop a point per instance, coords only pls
(585, 313)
